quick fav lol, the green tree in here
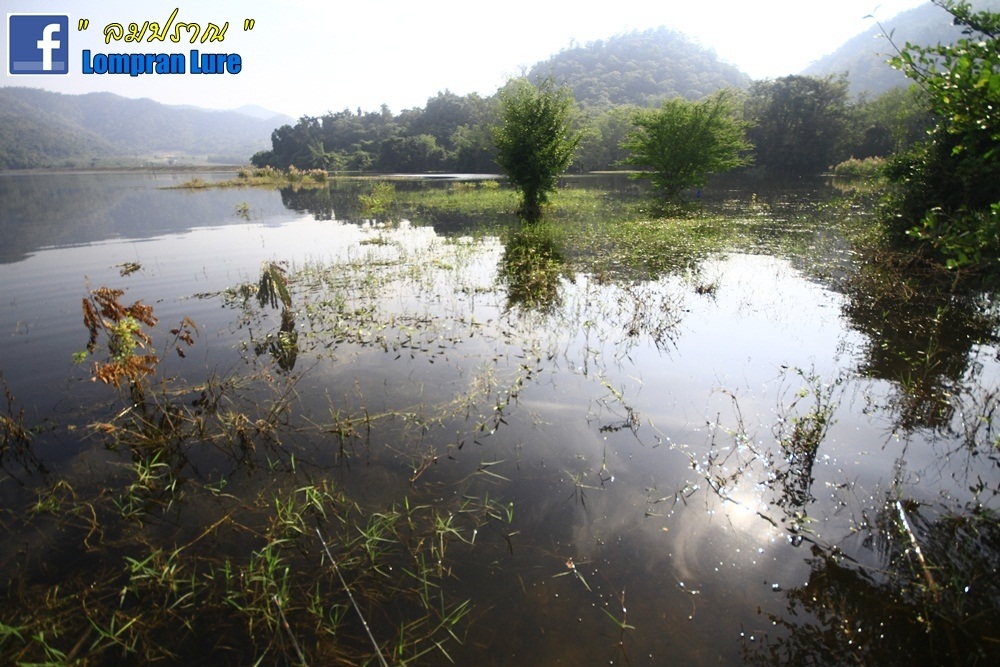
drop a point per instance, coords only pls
(799, 123)
(412, 154)
(602, 137)
(474, 149)
(891, 123)
(678, 145)
(442, 114)
(948, 193)
(534, 141)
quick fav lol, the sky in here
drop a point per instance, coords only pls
(308, 57)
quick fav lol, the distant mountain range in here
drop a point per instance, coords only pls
(44, 129)
(863, 58)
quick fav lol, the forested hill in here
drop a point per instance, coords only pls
(452, 132)
(863, 58)
(641, 68)
(44, 129)
(33, 136)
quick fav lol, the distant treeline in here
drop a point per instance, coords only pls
(798, 124)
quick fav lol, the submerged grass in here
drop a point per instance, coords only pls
(267, 571)
(215, 533)
(478, 199)
(590, 231)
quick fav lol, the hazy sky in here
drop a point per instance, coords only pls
(313, 56)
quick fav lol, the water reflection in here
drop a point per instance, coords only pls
(930, 600)
(337, 201)
(636, 470)
(74, 209)
(921, 334)
(533, 266)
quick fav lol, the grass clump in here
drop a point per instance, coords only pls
(486, 200)
(262, 177)
(867, 168)
(252, 560)
(379, 200)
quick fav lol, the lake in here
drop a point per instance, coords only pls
(414, 433)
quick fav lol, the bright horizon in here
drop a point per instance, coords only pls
(307, 57)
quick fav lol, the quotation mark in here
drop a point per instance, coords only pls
(248, 24)
(83, 24)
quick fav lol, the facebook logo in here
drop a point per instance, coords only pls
(38, 43)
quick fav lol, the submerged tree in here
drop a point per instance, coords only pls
(678, 145)
(534, 141)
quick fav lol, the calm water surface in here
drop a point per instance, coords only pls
(777, 456)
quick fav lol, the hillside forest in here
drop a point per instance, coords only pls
(798, 124)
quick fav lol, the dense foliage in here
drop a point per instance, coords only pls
(799, 123)
(639, 68)
(948, 194)
(891, 123)
(678, 145)
(534, 140)
(451, 133)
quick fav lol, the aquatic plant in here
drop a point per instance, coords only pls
(130, 356)
(379, 200)
(262, 177)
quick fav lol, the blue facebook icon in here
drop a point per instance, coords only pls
(39, 43)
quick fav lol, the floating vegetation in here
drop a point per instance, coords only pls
(867, 168)
(264, 572)
(16, 435)
(273, 288)
(128, 268)
(122, 328)
(242, 210)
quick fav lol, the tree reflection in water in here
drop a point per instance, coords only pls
(922, 329)
(533, 266)
(931, 600)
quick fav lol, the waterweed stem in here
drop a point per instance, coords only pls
(291, 635)
(931, 584)
(343, 583)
